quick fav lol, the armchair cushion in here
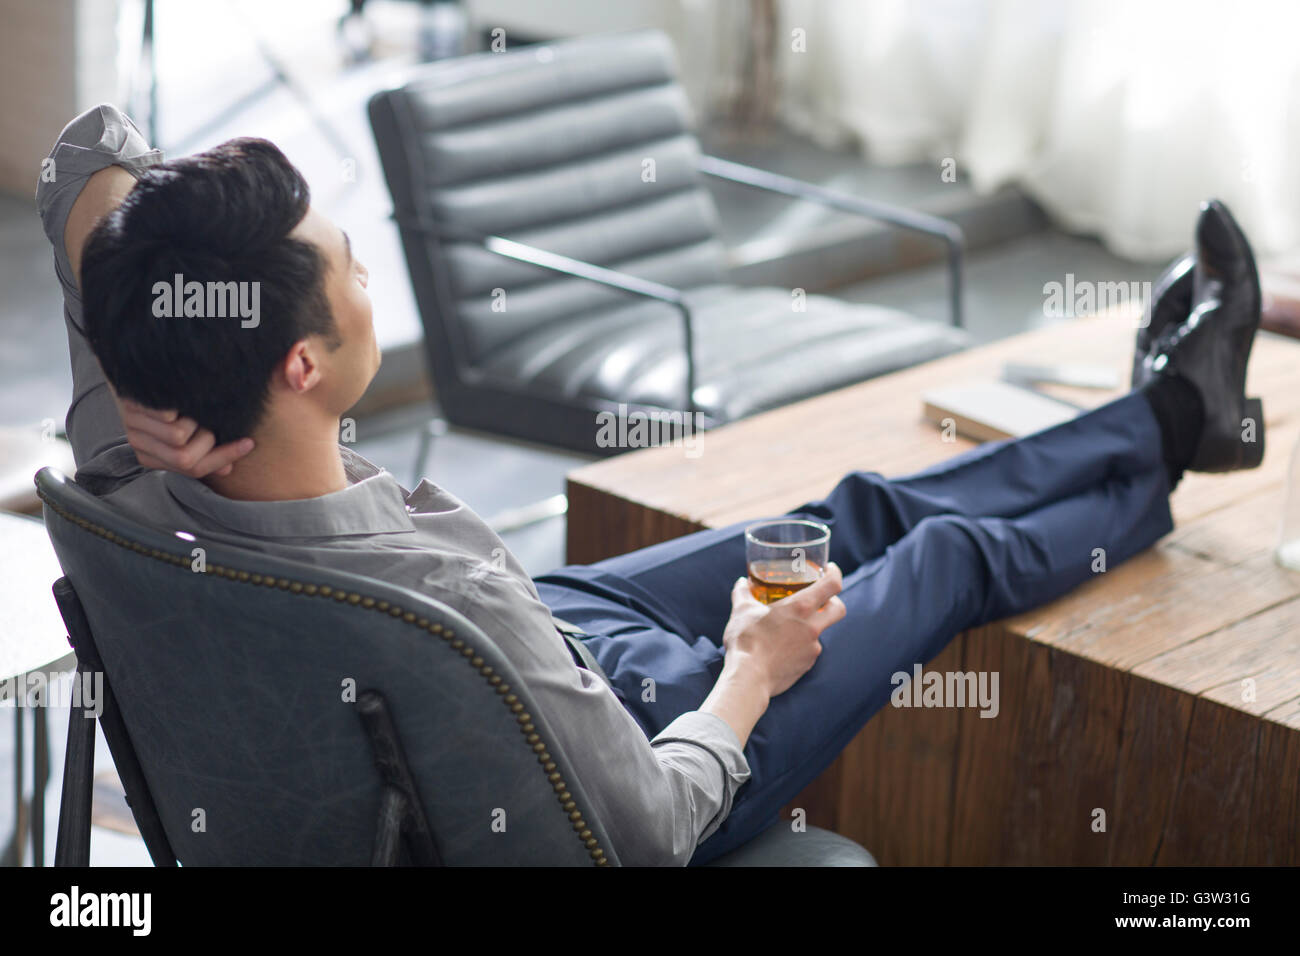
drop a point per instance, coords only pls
(778, 845)
(753, 350)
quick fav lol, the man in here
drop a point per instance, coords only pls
(689, 771)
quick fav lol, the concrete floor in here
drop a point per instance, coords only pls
(1004, 283)
(1005, 294)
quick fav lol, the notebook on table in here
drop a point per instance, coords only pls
(990, 411)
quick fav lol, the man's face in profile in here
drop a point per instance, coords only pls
(348, 369)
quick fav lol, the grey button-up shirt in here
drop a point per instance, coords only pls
(656, 798)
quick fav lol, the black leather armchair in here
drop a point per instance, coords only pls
(265, 712)
(565, 260)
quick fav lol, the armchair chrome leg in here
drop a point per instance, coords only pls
(129, 770)
(40, 780)
(512, 519)
(14, 852)
(73, 845)
(432, 429)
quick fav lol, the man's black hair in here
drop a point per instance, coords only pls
(220, 216)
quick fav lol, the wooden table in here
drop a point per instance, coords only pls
(1164, 692)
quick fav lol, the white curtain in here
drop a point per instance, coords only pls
(1119, 116)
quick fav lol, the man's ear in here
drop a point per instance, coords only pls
(300, 369)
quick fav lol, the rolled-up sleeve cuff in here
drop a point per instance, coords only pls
(101, 136)
(711, 733)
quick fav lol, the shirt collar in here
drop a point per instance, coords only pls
(373, 503)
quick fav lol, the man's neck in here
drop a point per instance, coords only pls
(286, 463)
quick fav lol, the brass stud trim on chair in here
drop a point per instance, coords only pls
(511, 700)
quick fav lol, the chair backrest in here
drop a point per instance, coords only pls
(582, 147)
(234, 676)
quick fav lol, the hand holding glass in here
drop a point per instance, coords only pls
(784, 556)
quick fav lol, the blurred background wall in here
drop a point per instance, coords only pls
(57, 57)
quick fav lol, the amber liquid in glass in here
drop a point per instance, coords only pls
(772, 580)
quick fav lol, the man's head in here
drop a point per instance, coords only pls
(217, 290)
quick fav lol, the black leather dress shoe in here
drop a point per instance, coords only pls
(1211, 347)
(1171, 301)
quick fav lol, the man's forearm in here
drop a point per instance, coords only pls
(86, 180)
(740, 697)
(103, 193)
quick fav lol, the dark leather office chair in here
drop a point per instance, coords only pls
(265, 712)
(565, 259)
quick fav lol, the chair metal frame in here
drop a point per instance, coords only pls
(944, 229)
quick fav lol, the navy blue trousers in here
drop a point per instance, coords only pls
(999, 530)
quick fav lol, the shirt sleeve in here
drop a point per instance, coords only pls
(656, 799)
(699, 745)
(102, 136)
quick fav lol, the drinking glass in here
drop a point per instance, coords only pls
(784, 556)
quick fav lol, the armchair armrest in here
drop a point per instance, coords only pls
(935, 226)
(578, 269)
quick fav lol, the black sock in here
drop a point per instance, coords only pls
(1180, 413)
